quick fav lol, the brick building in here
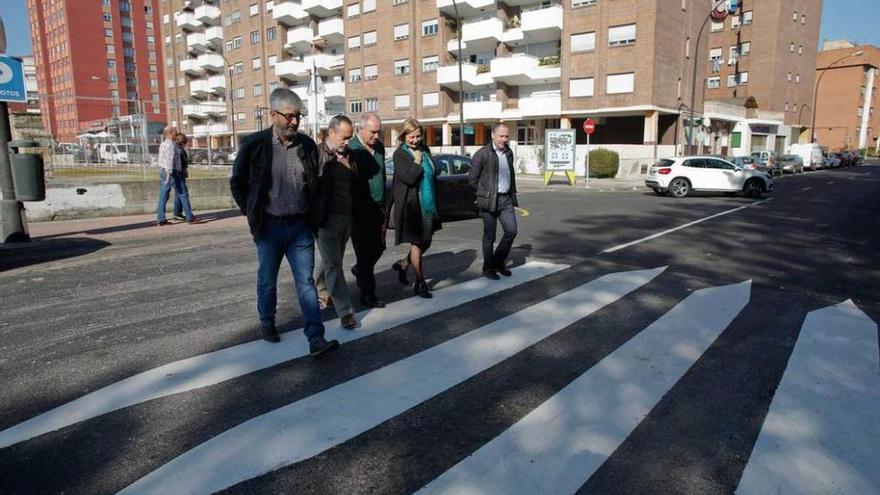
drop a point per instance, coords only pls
(847, 95)
(96, 60)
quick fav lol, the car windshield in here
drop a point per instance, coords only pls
(666, 162)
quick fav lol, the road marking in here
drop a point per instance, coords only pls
(822, 429)
(830, 182)
(226, 364)
(318, 422)
(689, 224)
(807, 189)
(559, 445)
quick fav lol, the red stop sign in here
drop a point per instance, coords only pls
(589, 126)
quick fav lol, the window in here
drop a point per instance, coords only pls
(107, 17)
(271, 34)
(153, 68)
(745, 47)
(255, 37)
(800, 49)
(731, 80)
(735, 139)
(789, 76)
(258, 90)
(786, 103)
(430, 100)
(270, 5)
(580, 87)
(747, 18)
(369, 38)
(355, 106)
(717, 26)
(108, 33)
(238, 94)
(583, 42)
(371, 72)
(430, 27)
(430, 63)
(401, 32)
(238, 68)
(713, 82)
(371, 104)
(620, 83)
(401, 101)
(354, 42)
(254, 9)
(803, 18)
(168, 40)
(622, 35)
(232, 18)
(111, 49)
(735, 21)
(797, 78)
(165, 19)
(398, 2)
(354, 10)
(256, 63)
(794, 16)
(369, 6)
(354, 75)
(716, 54)
(401, 67)
(582, 3)
(791, 47)
(272, 60)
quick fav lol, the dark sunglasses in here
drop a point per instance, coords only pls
(289, 116)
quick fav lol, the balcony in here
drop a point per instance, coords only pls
(325, 63)
(191, 66)
(196, 42)
(322, 8)
(543, 104)
(292, 69)
(208, 14)
(217, 84)
(216, 108)
(481, 35)
(214, 128)
(289, 13)
(187, 20)
(466, 8)
(199, 88)
(214, 36)
(331, 31)
(211, 62)
(299, 39)
(522, 70)
(195, 110)
(472, 75)
(302, 91)
(482, 110)
(542, 25)
(334, 92)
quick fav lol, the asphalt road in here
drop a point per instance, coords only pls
(91, 303)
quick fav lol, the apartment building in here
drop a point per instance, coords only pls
(760, 74)
(30, 85)
(96, 61)
(847, 95)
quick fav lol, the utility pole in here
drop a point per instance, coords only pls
(460, 83)
(698, 60)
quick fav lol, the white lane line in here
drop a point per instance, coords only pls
(559, 445)
(822, 431)
(807, 189)
(830, 182)
(689, 224)
(316, 423)
(225, 364)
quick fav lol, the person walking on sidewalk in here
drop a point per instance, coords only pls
(337, 192)
(169, 176)
(181, 141)
(275, 184)
(370, 220)
(492, 175)
(415, 215)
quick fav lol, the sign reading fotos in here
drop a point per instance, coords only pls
(559, 153)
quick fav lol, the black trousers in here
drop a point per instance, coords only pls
(495, 256)
(368, 240)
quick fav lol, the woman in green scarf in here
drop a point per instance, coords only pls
(415, 215)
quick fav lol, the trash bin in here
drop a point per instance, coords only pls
(28, 176)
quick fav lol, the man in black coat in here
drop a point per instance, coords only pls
(493, 177)
(275, 183)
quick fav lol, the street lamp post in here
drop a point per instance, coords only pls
(816, 91)
(690, 135)
(231, 96)
(460, 83)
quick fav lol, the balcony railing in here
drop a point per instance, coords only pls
(187, 20)
(289, 13)
(322, 8)
(208, 14)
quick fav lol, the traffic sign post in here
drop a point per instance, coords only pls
(589, 128)
(12, 215)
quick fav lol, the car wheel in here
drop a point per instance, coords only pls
(679, 187)
(658, 191)
(754, 188)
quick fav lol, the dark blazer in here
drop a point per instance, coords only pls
(406, 215)
(483, 176)
(252, 177)
(184, 162)
(360, 190)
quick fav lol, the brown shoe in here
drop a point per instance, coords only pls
(348, 321)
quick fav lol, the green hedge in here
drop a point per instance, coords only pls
(604, 163)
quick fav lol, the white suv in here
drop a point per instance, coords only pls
(682, 175)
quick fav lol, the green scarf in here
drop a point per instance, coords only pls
(426, 187)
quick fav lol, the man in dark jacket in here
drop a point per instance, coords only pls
(492, 175)
(275, 183)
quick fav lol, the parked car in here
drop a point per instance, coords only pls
(219, 156)
(455, 196)
(78, 152)
(680, 176)
(810, 153)
(746, 162)
(770, 160)
(115, 152)
(792, 164)
(832, 161)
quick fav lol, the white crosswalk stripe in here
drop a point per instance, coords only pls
(312, 425)
(215, 367)
(820, 435)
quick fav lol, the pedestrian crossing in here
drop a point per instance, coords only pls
(820, 434)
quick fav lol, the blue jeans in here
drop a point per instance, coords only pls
(165, 191)
(294, 240)
(180, 196)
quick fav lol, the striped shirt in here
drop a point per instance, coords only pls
(169, 156)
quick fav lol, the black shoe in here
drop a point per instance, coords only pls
(179, 218)
(503, 271)
(401, 273)
(491, 274)
(270, 334)
(422, 290)
(161, 223)
(319, 346)
(372, 302)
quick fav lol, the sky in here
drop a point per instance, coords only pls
(854, 20)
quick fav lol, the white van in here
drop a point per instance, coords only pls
(115, 152)
(810, 153)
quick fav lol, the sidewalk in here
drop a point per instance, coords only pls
(560, 183)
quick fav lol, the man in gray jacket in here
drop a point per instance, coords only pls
(492, 175)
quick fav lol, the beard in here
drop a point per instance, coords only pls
(287, 132)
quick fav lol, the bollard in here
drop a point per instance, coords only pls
(28, 175)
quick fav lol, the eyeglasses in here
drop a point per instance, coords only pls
(289, 116)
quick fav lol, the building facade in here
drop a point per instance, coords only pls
(846, 96)
(96, 62)
(30, 85)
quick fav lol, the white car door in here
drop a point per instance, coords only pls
(695, 171)
(722, 176)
